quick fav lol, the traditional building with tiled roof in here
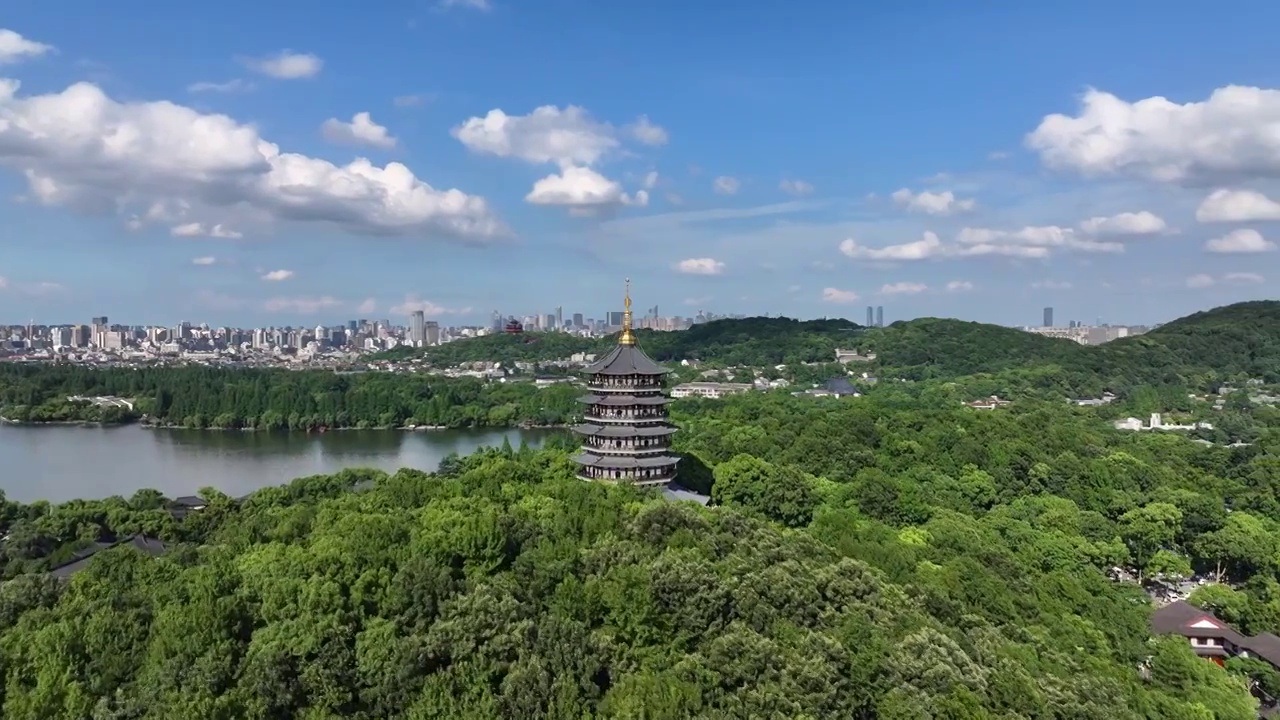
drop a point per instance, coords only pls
(625, 431)
(1210, 637)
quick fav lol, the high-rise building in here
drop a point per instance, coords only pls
(626, 435)
(577, 320)
(615, 318)
(1048, 317)
(417, 328)
(559, 317)
(879, 316)
(871, 317)
(433, 333)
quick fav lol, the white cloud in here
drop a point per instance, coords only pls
(1030, 243)
(367, 307)
(1033, 241)
(1242, 277)
(82, 149)
(566, 137)
(1242, 240)
(404, 101)
(286, 65)
(362, 130)
(1051, 285)
(697, 301)
(412, 303)
(959, 286)
(927, 247)
(700, 266)
(930, 203)
(1204, 280)
(196, 229)
(301, 305)
(582, 188)
(230, 86)
(726, 185)
(648, 133)
(277, 275)
(836, 295)
(481, 5)
(795, 187)
(206, 260)
(651, 180)
(1228, 136)
(15, 48)
(998, 155)
(1233, 206)
(4, 282)
(1126, 223)
(903, 288)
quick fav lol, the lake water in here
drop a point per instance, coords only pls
(64, 462)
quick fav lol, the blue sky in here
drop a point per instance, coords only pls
(214, 162)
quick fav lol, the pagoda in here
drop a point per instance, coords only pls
(626, 436)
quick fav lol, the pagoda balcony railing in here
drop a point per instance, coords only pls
(609, 445)
(616, 387)
(642, 476)
(596, 414)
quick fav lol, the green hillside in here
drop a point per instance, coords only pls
(943, 348)
(750, 341)
(1200, 350)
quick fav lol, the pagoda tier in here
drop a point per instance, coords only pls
(626, 436)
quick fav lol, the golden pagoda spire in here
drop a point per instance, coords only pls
(627, 337)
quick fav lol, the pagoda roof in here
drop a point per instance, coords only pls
(624, 462)
(624, 431)
(624, 400)
(626, 360)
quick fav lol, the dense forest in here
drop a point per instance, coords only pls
(202, 397)
(889, 557)
(756, 342)
(894, 556)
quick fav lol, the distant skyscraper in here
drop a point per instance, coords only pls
(879, 316)
(871, 316)
(1048, 317)
(417, 327)
(559, 318)
(577, 320)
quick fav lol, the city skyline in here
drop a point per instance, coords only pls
(279, 174)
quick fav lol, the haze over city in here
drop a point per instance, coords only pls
(472, 155)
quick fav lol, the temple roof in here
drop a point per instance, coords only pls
(624, 462)
(624, 400)
(626, 360)
(624, 431)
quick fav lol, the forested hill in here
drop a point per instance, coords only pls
(942, 348)
(1197, 350)
(1239, 339)
(750, 341)
(1200, 349)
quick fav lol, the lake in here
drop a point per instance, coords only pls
(65, 462)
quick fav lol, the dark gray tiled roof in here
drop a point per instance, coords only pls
(624, 431)
(625, 462)
(1176, 618)
(624, 400)
(626, 360)
(147, 545)
(676, 492)
(190, 501)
